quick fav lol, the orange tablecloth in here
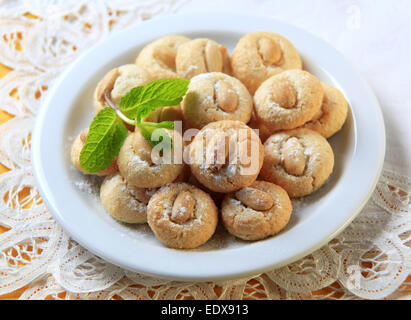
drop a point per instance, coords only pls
(4, 116)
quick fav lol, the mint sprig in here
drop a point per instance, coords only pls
(106, 135)
(107, 132)
(140, 101)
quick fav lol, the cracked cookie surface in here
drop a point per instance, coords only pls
(332, 115)
(256, 212)
(124, 202)
(201, 56)
(226, 156)
(299, 160)
(136, 165)
(260, 55)
(116, 83)
(182, 216)
(213, 97)
(288, 100)
(159, 57)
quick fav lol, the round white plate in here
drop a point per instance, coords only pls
(359, 153)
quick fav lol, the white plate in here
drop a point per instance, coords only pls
(359, 152)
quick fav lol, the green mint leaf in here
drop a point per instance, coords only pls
(140, 101)
(104, 140)
(147, 129)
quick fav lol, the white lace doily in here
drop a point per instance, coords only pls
(370, 259)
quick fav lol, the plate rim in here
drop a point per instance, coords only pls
(198, 22)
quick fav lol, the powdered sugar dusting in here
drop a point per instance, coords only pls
(90, 184)
(138, 161)
(191, 68)
(235, 202)
(202, 76)
(150, 192)
(217, 85)
(273, 104)
(136, 205)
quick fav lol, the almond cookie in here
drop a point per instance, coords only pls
(332, 114)
(124, 202)
(201, 56)
(213, 97)
(116, 83)
(159, 57)
(182, 216)
(300, 161)
(226, 156)
(76, 148)
(136, 164)
(256, 212)
(260, 55)
(288, 100)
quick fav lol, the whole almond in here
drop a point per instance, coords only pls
(183, 207)
(269, 50)
(167, 55)
(255, 198)
(226, 97)
(293, 157)
(284, 94)
(213, 57)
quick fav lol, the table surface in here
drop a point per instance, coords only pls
(4, 116)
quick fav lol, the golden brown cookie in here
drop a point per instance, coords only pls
(213, 97)
(159, 57)
(288, 100)
(136, 164)
(182, 216)
(299, 160)
(124, 202)
(261, 55)
(116, 83)
(202, 56)
(226, 156)
(256, 212)
(76, 148)
(332, 114)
